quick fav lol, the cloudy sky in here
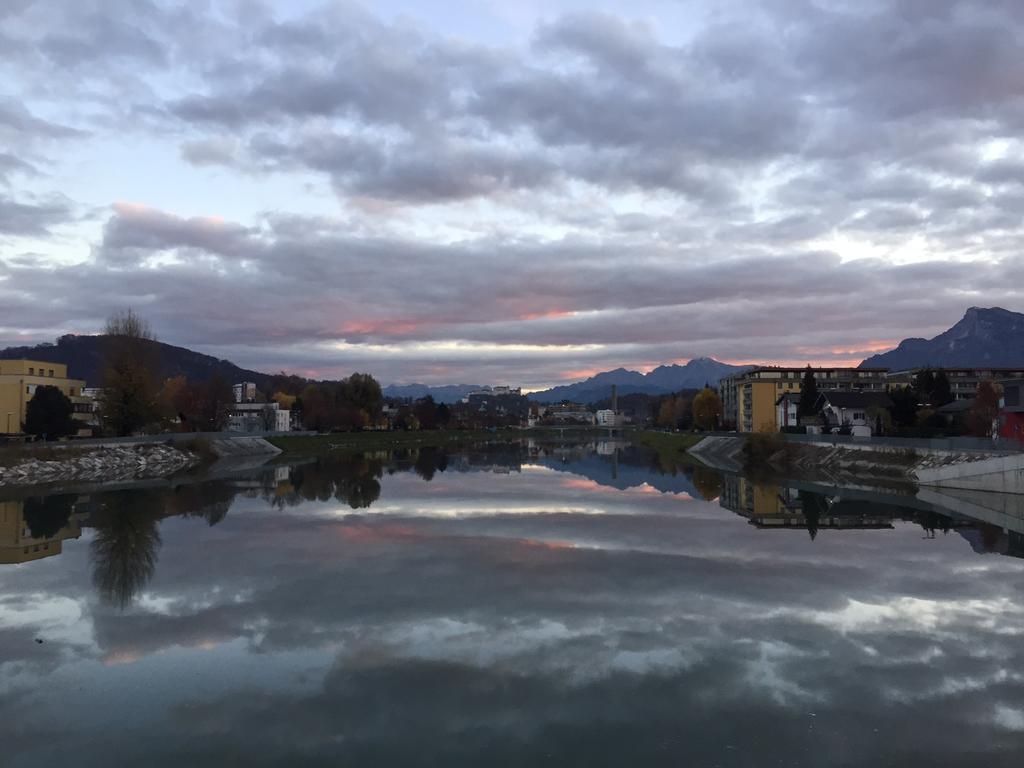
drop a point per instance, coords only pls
(518, 192)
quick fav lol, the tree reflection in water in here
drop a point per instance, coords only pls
(127, 541)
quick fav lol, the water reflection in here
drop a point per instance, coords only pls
(510, 604)
(126, 540)
(814, 507)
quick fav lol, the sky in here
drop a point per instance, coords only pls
(510, 193)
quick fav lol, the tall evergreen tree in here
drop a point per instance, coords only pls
(808, 395)
(942, 392)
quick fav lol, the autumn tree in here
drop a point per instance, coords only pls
(48, 414)
(985, 409)
(707, 409)
(128, 402)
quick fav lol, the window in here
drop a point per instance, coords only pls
(31, 371)
(51, 373)
(858, 415)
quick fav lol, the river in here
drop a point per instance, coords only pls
(506, 604)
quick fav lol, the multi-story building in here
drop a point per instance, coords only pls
(259, 417)
(1010, 424)
(749, 399)
(963, 382)
(18, 382)
(244, 392)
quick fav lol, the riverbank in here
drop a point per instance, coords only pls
(42, 465)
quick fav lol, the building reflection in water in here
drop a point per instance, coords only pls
(812, 507)
(125, 524)
(37, 527)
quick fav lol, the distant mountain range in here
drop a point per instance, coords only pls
(983, 338)
(84, 355)
(449, 393)
(662, 380)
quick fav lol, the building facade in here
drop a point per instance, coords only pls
(18, 382)
(963, 382)
(750, 399)
(259, 417)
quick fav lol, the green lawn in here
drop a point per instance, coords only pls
(678, 441)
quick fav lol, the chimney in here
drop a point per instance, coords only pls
(615, 398)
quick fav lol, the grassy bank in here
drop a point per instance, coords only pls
(667, 442)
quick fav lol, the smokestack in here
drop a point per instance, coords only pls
(615, 399)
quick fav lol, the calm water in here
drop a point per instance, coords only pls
(506, 606)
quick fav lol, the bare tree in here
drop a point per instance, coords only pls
(129, 400)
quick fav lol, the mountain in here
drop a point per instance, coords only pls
(450, 393)
(84, 355)
(983, 338)
(662, 380)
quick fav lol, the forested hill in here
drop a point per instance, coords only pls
(84, 357)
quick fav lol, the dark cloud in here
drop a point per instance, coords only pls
(640, 194)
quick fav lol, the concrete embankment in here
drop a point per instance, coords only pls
(867, 464)
(121, 460)
(998, 474)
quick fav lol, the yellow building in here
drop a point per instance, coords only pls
(749, 398)
(18, 382)
(17, 544)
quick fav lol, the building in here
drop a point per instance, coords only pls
(259, 417)
(493, 392)
(1010, 425)
(786, 409)
(18, 382)
(568, 413)
(609, 418)
(245, 392)
(750, 398)
(853, 409)
(963, 382)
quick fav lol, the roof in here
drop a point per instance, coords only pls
(957, 406)
(793, 397)
(857, 399)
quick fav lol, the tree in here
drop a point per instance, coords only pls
(984, 411)
(924, 383)
(808, 405)
(941, 392)
(444, 415)
(707, 409)
(904, 406)
(425, 410)
(667, 413)
(48, 414)
(128, 402)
